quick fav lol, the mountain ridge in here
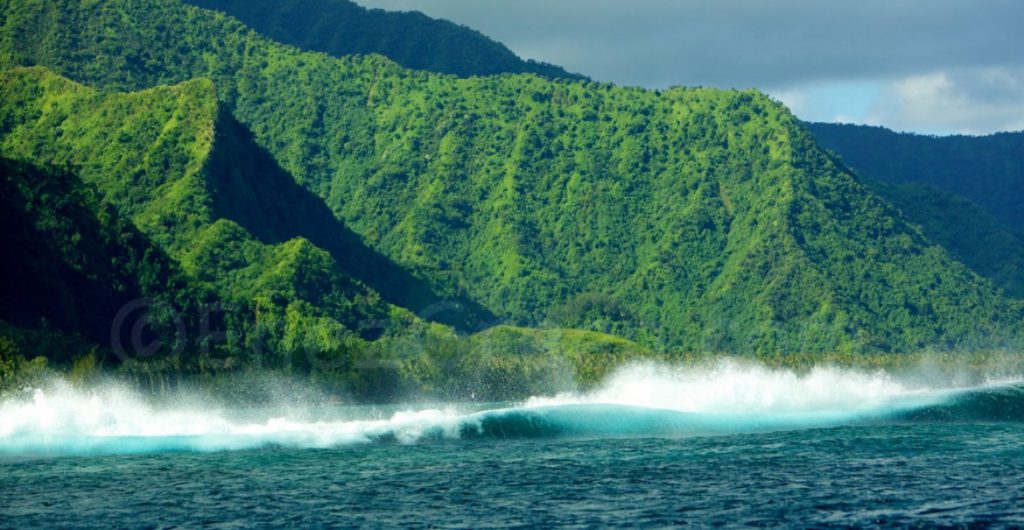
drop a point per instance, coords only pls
(282, 302)
(341, 27)
(971, 234)
(165, 186)
(988, 170)
(962, 190)
(710, 216)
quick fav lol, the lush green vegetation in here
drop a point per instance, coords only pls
(988, 170)
(222, 299)
(499, 363)
(982, 168)
(156, 156)
(412, 39)
(963, 191)
(15, 370)
(72, 262)
(71, 265)
(966, 230)
(693, 219)
(150, 153)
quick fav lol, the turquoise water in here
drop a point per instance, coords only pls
(727, 447)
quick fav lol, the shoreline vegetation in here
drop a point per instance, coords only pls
(503, 364)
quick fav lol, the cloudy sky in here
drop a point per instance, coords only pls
(929, 66)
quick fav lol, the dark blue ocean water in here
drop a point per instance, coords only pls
(729, 448)
(916, 474)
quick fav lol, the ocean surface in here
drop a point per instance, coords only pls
(654, 447)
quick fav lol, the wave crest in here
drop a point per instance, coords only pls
(645, 400)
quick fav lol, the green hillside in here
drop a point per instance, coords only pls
(705, 220)
(412, 39)
(153, 155)
(223, 247)
(962, 190)
(175, 162)
(992, 251)
(71, 262)
(988, 170)
(966, 230)
(340, 27)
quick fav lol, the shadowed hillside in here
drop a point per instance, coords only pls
(988, 170)
(705, 220)
(412, 39)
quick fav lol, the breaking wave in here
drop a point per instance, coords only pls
(646, 400)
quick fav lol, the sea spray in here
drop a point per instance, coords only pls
(639, 400)
(731, 387)
(110, 419)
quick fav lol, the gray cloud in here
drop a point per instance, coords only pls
(970, 101)
(773, 45)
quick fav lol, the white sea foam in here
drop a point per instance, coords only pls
(64, 419)
(646, 399)
(742, 388)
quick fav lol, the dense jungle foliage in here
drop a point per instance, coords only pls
(987, 170)
(411, 39)
(368, 225)
(711, 216)
(966, 230)
(221, 299)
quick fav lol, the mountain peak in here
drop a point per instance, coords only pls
(412, 39)
(704, 220)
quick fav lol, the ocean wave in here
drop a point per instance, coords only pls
(648, 400)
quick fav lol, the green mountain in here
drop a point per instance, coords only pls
(176, 208)
(71, 263)
(688, 219)
(339, 27)
(966, 230)
(993, 252)
(171, 161)
(187, 173)
(411, 39)
(962, 190)
(988, 170)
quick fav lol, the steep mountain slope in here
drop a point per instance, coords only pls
(154, 155)
(239, 265)
(992, 251)
(71, 263)
(967, 230)
(988, 170)
(706, 220)
(412, 39)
